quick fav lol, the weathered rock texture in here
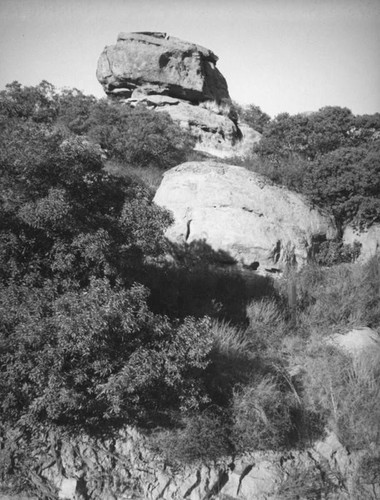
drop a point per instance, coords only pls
(126, 468)
(242, 213)
(369, 240)
(359, 342)
(167, 74)
(156, 63)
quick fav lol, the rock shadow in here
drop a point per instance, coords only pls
(196, 280)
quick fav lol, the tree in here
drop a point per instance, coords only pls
(307, 134)
(347, 181)
(253, 116)
(37, 103)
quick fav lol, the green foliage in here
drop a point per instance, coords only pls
(253, 116)
(347, 181)
(262, 415)
(203, 436)
(340, 296)
(347, 391)
(38, 103)
(307, 134)
(334, 252)
(75, 110)
(331, 156)
(139, 136)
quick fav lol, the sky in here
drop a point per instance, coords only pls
(282, 55)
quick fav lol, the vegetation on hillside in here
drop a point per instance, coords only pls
(98, 330)
(331, 156)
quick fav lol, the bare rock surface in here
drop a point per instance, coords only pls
(358, 342)
(369, 240)
(168, 74)
(126, 468)
(160, 64)
(215, 133)
(241, 213)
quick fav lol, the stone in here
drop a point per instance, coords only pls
(68, 488)
(215, 133)
(241, 213)
(156, 63)
(369, 240)
(358, 341)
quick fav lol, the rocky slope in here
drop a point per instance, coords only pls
(126, 468)
(241, 213)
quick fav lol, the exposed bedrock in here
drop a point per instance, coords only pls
(160, 64)
(241, 213)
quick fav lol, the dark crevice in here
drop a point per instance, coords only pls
(197, 483)
(188, 230)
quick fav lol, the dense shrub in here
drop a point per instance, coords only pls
(140, 137)
(347, 182)
(262, 413)
(334, 252)
(331, 156)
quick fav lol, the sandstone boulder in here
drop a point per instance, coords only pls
(369, 240)
(241, 213)
(155, 63)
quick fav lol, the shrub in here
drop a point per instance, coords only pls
(202, 437)
(347, 392)
(262, 415)
(343, 295)
(334, 252)
(139, 137)
(267, 324)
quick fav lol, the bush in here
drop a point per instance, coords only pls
(347, 392)
(345, 295)
(139, 137)
(334, 252)
(202, 437)
(262, 415)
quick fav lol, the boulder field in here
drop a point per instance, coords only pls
(242, 214)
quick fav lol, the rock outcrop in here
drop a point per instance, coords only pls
(369, 240)
(168, 74)
(125, 467)
(241, 213)
(155, 63)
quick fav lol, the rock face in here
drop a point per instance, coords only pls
(126, 468)
(369, 240)
(241, 213)
(167, 74)
(155, 63)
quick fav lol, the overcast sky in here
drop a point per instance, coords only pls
(282, 55)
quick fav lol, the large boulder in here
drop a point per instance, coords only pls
(241, 213)
(155, 63)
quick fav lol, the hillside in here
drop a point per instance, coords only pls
(139, 360)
